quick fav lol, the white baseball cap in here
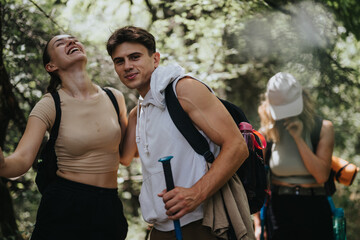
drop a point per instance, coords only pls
(285, 96)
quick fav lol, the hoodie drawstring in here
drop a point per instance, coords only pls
(137, 120)
(141, 126)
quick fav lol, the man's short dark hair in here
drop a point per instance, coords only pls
(131, 34)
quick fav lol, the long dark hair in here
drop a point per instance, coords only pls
(55, 80)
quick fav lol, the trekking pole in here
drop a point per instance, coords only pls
(262, 219)
(169, 186)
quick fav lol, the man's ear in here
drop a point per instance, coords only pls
(156, 59)
(50, 67)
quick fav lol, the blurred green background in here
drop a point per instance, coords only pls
(234, 46)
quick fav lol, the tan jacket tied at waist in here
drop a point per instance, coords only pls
(232, 196)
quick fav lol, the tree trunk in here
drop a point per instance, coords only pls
(8, 227)
(9, 109)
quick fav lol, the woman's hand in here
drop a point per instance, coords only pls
(294, 127)
(129, 147)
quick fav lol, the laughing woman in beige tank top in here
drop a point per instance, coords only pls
(82, 203)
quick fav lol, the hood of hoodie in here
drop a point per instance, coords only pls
(160, 79)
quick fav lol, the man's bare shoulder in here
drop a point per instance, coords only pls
(188, 87)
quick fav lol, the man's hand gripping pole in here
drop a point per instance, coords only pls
(169, 186)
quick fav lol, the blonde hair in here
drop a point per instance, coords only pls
(270, 128)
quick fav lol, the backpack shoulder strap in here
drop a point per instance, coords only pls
(184, 124)
(329, 185)
(267, 156)
(315, 133)
(55, 128)
(114, 101)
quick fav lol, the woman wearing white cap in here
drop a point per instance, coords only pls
(298, 208)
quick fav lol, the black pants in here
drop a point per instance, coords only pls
(299, 218)
(194, 230)
(71, 210)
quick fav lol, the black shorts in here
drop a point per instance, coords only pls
(299, 218)
(72, 210)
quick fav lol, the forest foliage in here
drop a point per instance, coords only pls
(234, 46)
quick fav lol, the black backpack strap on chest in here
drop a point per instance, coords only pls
(184, 124)
(114, 101)
(46, 169)
(55, 128)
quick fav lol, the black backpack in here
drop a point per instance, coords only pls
(47, 164)
(252, 171)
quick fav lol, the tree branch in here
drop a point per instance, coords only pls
(46, 15)
(152, 10)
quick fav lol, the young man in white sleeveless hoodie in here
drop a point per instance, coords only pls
(153, 134)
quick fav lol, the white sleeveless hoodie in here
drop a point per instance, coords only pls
(157, 137)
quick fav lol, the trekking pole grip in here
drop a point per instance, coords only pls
(169, 186)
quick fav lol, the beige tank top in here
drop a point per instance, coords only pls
(89, 132)
(286, 163)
